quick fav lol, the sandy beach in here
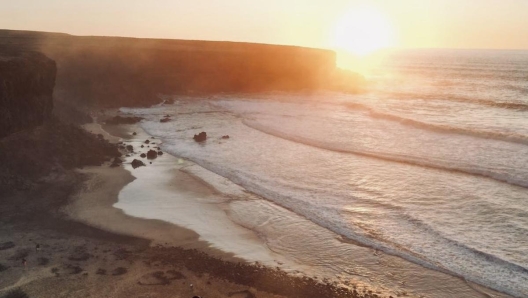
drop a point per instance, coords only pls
(88, 248)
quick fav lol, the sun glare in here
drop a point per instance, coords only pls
(361, 31)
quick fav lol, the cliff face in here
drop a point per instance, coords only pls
(26, 89)
(112, 71)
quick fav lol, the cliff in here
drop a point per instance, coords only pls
(33, 143)
(26, 89)
(114, 71)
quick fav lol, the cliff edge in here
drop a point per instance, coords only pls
(116, 71)
(26, 90)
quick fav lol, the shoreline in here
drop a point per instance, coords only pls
(102, 252)
(143, 254)
(455, 285)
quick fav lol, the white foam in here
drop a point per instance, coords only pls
(412, 212)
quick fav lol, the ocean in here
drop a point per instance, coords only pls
(428, 165)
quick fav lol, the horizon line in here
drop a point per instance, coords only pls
(271, 44)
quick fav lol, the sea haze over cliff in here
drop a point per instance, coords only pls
(115, 71)
(430, 165)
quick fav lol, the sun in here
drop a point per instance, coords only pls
(361, 31)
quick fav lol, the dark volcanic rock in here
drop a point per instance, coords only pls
(200, 137)
(225, 137)
(130, 148)
(119, 271)
(147, 142)
(117, 162)
(160, 152)
(137, 163)
(143, 155)
(7, 245)
(151, 154)
(26, 89)
(123, 120)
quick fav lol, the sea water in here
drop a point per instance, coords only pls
(430, 164)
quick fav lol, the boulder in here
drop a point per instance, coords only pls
(143, 155)
(130, 148)
(151, 154)
(225, 137)
(117, 161)
(160, 152)
(165, 120)
(137, 163)
(200, 137)
(147, 142)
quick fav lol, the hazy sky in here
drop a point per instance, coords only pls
(412, 23)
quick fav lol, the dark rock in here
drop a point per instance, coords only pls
(73, 269)
(119, 271)
(160, 152)
(147, 142)
(165, 120)
(16, 293)
(43, 261)
(225, 137)
(143, 155)
(123, 120)
(80, 256)
(7, 245)
(130, 148)
(134, 133)
(118, 160)
(151, 154)
(142, 146)
(200, 137)
(137, 163)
